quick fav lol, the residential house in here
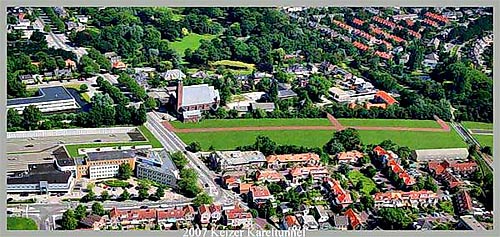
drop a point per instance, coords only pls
(384, 97)
(70, 64)
(268, 107)
(317, 173)
(405, 199)
(93, 222)
(285, 208)
(269, 175)
(259, 195)
(356, 221)
(230, 182)
(464, 202)
(338, 195)
(27, 79)
(204, 215)
(423, 224)
(308, 222)
(82, 18)
(282, 161)
(244, 188)
(321, 213)
(290, 222)
(215, 212)
(132, 218)
(199, 74)
(341, 222)
(431, 60)
(168, 217)
(238, 218)
(349, 157)
(285, 91)
(389, 158)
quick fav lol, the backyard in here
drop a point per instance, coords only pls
(191, 41)
(21, 223)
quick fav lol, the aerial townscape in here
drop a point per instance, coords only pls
(239, 118)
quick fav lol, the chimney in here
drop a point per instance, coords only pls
(180, 93)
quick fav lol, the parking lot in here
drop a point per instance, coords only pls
(22, 152)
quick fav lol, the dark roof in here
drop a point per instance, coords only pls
(47, 94)
(62, 157)
(286, 94)
(340, 220)
(110, 155)
(37, 173)
(90, 220)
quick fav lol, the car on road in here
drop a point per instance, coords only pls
(30, 145)
(9, 212)
(98, 140)
(144, 207)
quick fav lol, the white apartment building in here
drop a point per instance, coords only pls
(157, 166)
(51, 99)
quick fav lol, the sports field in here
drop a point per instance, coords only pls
(21, 223)
(229, 123)
(478, 125)
(227, 140)
(191, 41)
(389, 123)
(151, 140)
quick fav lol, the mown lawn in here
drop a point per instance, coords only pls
(191, 41)
(389, 123)
(228, 140)
(478, 125)
(484, 140)
(21, 223)
(151, 140)
(368, 184)
(228, 123)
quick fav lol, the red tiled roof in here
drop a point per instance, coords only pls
(260, 191)
(291, 220)
(430, 22)
(465, 200)
(119, 64)
(204, 209)
(238, 214)
(437, 17)
(304, 157)
(385, 22)
(353, 218)
(174, 213)
(215, 208)
(379, 151)
(412, 195)
(360, 45)
(386, 97)
(383, 55)
(133, 214)
(358, 21)
(245, 187)
(349, 155)
(269, 175)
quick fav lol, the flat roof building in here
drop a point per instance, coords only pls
(440, 154)
(468, 222)
(157, 166)
(236, 160)
(39, 178)
(104, 164)
(51, 99)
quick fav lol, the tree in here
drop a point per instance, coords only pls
(188, 183)
(98, 209)
(394, 218)
(160, 193)
(14, 120)
(370, 171)
(150, 103)
(125, 195)
(69, 221)
(202, 199)
(140, 117)
(80, 212)
(265, 145)
(125, 171)
(430, 184)
(333, 147)
(487, 150)
(344, 168)
(179, 159)
(367, 201)
(194, 147)
(317, 87)
(90, 196)
(31, 117)
(84, 87)
(447, 207)
(254, 213)
(143, 193)
(349, 138)
(104, 195)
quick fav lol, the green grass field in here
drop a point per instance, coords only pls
(389, 123)
(368, 184)
(484, 140)
(191, 41)
(228, 123)
(415, 140)
(20, 223)
(478, 125)
(73, 148)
